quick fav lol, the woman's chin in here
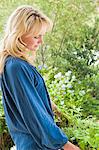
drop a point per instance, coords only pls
(33, 49)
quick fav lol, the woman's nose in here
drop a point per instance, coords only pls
(40, 40)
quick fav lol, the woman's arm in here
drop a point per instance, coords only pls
(68, 145)
(56, 109)
(54, 106)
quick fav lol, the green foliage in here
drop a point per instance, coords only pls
(74, 38)
(72, 91)
(2, 120)
(84, 132)
(78, 105)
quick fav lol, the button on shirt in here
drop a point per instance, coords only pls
(27, 108)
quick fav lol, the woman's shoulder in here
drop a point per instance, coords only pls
(13, 63)
(16, 65)
(15, 60)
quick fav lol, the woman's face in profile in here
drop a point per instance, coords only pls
(33, 42)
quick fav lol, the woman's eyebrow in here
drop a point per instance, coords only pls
(40, 35)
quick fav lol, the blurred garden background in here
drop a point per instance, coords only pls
(69, 63)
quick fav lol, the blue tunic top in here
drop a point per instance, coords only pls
(27, 108)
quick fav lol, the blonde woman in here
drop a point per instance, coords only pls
(26, 102)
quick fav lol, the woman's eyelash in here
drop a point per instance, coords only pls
(36, 37)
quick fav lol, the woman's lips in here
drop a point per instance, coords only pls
(36, 46)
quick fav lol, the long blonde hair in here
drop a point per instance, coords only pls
(25, 19)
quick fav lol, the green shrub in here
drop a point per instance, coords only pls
(78, 106)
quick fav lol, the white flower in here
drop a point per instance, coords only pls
(0, 114)
(79, 57)
(58, 75)
(69, 86)
(64, 93)
(73, 77)
(13, 148)
(40, 67)
(82, 92)
(60, 82)
(63, 87)
(66, 81)
(75, 53)
(71, 92)
(79, 82)
(68, 73)
(62, 102)
(55, 68)
(45, 66)
(47, 46)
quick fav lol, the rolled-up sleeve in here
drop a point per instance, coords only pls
(32, 109)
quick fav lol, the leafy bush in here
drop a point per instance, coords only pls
(78, 106)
